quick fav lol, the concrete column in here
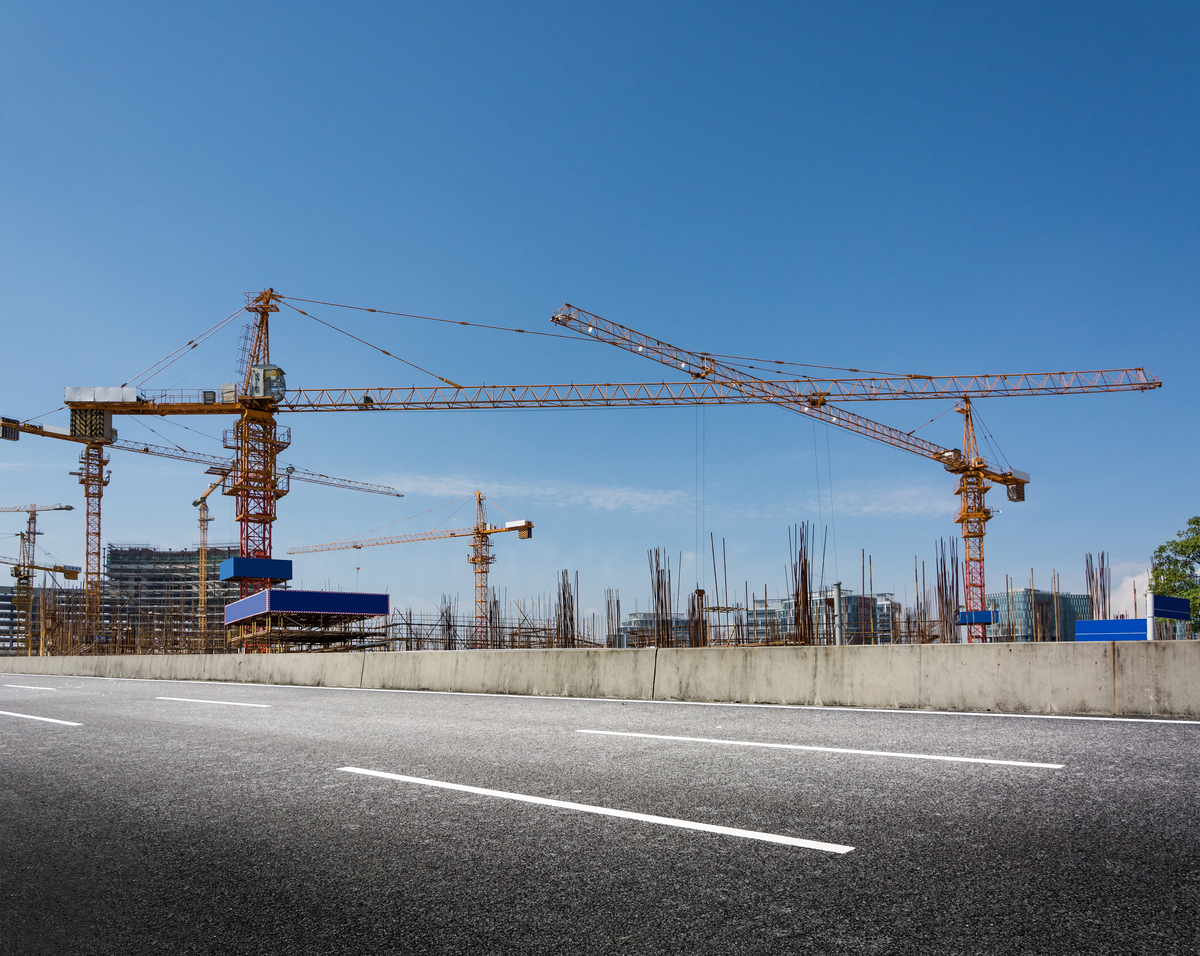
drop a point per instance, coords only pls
(837, 613)
(1149, 615)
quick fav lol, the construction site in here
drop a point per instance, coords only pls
(236, 597)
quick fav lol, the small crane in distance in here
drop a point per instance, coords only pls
(25, 565)
(480, 558)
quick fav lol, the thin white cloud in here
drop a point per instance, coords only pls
(606, 497)
(25, 466)
(888, 500)
(1121, 598)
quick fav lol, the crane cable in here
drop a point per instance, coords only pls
(581, 338)
(430, 318)
(375, 347)
(410, 518)
(172, 357)
(990, 439)
(934, 419)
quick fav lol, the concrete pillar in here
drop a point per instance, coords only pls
(837, 613)
(1149, 615)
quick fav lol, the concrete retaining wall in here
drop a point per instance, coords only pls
(1160, 678)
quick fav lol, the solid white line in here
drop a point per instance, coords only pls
(49, 720)
(610, 812)
(30, 687)
(229, 703)
(829, 750)
(895, 711)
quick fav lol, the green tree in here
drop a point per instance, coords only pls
(1173, 572)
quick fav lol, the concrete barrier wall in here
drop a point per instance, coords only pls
(588, 672)
(1160, 678)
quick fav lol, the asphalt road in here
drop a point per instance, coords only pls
(149, 825)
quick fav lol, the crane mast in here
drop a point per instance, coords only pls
(481, 559)
(202, 570)
(257, 441)
(973, 516)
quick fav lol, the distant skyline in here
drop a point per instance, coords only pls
(922, 188)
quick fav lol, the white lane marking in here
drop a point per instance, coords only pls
(228, 703)
(610, 812)
(829, 750)
(30, 687)
(49, 720)
(895, 711)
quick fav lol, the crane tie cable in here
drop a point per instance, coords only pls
(430, 318)
(375, 347)
(176, 355)
(580, 338)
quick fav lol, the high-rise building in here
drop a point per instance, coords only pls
(1031, 615)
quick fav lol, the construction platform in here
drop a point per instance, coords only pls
(288, 616)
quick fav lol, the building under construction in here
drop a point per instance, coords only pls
(12, 636)
(163, 585)
(149, 602)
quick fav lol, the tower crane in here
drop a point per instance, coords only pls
(480, 558)
(976, 473)
(205, 520)
(25, 565)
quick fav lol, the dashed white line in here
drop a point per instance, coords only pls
(49, 720)
(228, 703)
(611, 812)
(829, 750)
(30, 687)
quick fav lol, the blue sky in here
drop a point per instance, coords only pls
(932, 188)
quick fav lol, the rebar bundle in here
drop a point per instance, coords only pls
(1098, 577)
(799, 539)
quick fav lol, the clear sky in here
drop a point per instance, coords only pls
(929, 188)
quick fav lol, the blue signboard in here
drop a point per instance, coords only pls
(978, 617)
(1131, 629)
(1173, 609)
(300, 603)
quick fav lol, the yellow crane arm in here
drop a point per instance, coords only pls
(702, 390)
(783, 394)
(68, 571)
(702, 365)
(216, 464)
(524, 529)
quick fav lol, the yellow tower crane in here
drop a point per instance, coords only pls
(25, 565)
(480, 558)
(976, 475)
(202, 570)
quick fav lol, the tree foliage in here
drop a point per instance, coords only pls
(1173, 572)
